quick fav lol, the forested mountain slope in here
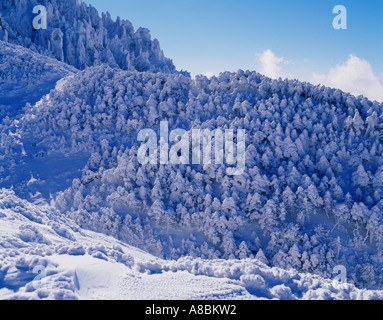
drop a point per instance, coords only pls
(309, 199)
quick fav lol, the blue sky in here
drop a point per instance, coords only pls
(210, 36)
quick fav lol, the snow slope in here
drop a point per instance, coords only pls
(79, 264)
(25, 77)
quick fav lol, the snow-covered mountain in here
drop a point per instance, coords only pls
(77, 35)
(310, 198)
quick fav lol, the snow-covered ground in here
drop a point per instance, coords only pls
(45, 256)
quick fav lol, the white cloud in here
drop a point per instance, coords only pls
(271, 64)
(355, 76)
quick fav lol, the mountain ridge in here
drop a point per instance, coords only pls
(77, 35)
